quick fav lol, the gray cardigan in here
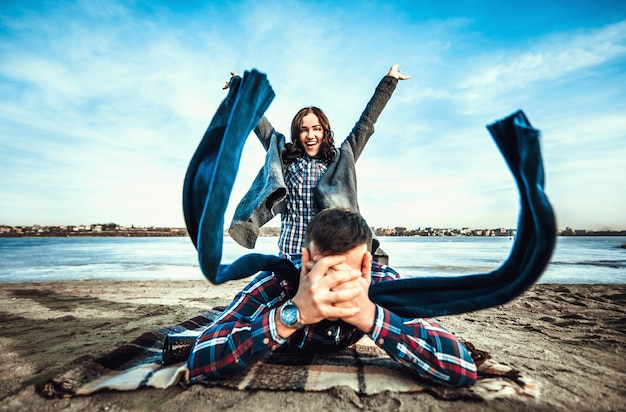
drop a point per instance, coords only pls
(336, 188)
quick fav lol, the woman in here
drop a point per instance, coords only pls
(307, 175)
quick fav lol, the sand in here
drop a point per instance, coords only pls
(571, 338)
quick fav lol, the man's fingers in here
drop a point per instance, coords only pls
(343, 295)
(336, 312)
(307, 263)
(321, 267)
(338, 275)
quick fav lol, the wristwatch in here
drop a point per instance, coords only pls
(290, 315)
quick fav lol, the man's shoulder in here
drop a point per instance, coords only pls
(381, 273)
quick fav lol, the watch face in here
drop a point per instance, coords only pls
(289, 314)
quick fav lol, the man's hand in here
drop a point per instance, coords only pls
(364, 319)
(318, 296)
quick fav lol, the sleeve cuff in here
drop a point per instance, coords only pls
(275, 337)
(379, 323)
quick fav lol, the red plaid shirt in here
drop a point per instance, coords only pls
(246, 332)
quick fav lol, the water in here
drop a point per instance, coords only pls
(575, 260)
(588, 259)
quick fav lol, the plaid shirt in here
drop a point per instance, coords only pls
(246, 333)
(301, 177)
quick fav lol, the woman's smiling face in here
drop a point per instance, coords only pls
(311, 134)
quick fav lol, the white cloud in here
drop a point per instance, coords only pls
(554, 58)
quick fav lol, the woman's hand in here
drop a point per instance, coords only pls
(395, 72)
(227, 84)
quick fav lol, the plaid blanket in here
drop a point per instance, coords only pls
(363, 367)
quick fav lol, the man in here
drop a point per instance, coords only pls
(327, 310)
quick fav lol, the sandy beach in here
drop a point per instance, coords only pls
(570, 338)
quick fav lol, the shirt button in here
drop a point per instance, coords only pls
(381, 341)
(266, 341)
(329, 332)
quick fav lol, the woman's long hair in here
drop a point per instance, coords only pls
(295, 149)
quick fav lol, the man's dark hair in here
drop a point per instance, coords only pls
(337, 230)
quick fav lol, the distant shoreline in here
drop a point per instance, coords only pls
(115, 230)
(169, 234)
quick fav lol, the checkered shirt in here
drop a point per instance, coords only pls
(301, 177)
(246, 333)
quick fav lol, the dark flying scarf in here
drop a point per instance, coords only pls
(212, 172)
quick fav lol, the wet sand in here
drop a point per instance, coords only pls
(570, 338)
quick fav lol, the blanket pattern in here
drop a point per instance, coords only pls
(364, 368)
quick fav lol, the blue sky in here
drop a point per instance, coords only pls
(103, 103)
